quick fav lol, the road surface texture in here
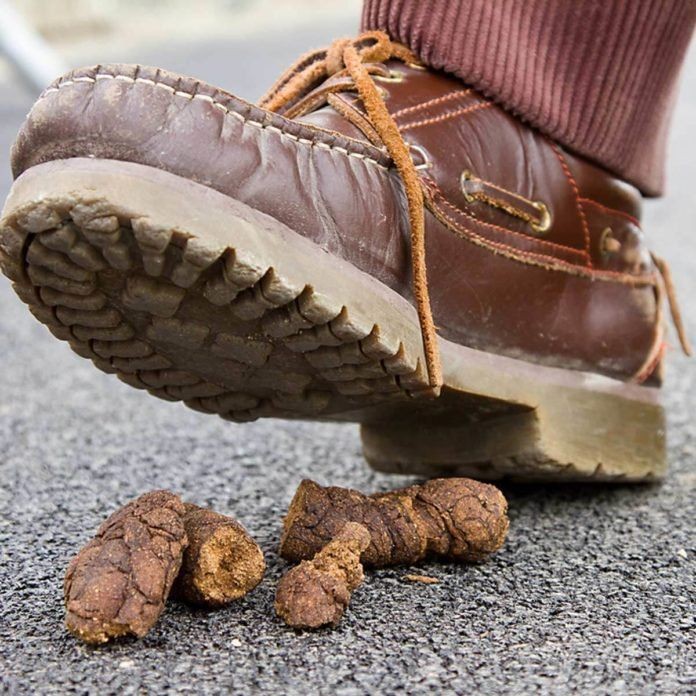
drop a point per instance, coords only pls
(593, 592)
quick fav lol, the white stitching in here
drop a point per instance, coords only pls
(218, 105)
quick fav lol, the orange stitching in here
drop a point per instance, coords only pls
(535, 259)
(448, 115)
(501, 245)
(612, 211)
(556, 265)
(432, 102)
(505, 230)
(578, 205)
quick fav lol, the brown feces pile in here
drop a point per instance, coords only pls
(158, 546)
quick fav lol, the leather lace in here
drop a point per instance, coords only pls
(670, 291)
(359, 59)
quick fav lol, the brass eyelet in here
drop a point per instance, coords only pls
(608, 244)
(507, 201)
(392, 76)
(544, 223)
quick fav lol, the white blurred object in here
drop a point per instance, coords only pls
(33, 58)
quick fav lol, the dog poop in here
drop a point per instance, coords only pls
(222, 562)
(316, 593)
(457, 518)
(118, 584)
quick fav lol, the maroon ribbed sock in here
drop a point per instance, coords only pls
(598, 76)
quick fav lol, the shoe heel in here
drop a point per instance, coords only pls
(572, 434)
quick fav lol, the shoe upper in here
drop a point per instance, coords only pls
(531, 251)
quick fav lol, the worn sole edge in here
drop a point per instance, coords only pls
(577, 425)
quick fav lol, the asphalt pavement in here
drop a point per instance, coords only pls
(593, 591)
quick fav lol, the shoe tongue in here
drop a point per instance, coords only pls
(329, 119)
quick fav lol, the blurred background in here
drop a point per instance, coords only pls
(220, 38)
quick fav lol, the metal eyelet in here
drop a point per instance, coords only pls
(510, 206)
(392, 76)
(544, 223)
(608, 244)
(426, 164)
(466, 176)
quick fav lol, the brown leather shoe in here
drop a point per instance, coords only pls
(270, 261)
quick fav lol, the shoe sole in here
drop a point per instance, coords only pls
(195, 297)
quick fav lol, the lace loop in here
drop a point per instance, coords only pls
(670, 291)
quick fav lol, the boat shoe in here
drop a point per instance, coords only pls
(373, 242)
